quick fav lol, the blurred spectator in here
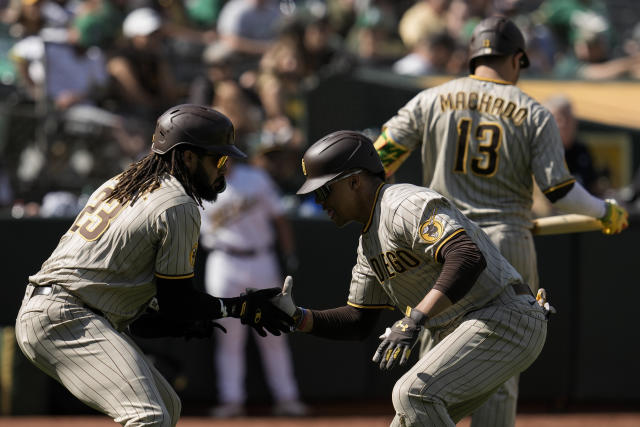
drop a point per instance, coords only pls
(428, 56)
(219, 61)
(590, 57)
(323, 48)
(425, 17)
(577, 155)
(278, 152)
(280, 77)
(244, 230)
(232, 100)
(144, 85)
(566, 19)
(249, 27)
(373, 39)
(98, 22)
(203, 13)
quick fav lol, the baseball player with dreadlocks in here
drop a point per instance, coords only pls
(419, 254)
(482, 142)
(127, 262)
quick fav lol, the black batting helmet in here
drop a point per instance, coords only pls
(197, 126)
(336, 154)
(496, 36)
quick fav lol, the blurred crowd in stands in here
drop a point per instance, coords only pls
(83, 81)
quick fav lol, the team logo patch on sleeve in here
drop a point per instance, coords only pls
(431, 230)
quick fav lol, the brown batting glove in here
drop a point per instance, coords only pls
(398, 341)
(615, 219)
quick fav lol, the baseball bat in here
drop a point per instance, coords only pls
(562, 224)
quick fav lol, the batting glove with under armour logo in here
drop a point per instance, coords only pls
(255, 309)
(399, 340)
(615, 219)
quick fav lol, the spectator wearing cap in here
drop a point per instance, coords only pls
(144, 83)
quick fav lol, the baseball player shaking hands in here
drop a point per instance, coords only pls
(419, 254)
(126, 263)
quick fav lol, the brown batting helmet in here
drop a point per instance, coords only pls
(337, 154)
(496, 36)
(197, 126)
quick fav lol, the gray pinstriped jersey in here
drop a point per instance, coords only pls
(503, 137)
(109, 257)
(396, 264)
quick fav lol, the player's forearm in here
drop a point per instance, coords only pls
(462, 264)
(341, 323)
(179, 300)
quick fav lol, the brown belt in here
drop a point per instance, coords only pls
(521, 289)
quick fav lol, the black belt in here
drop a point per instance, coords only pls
(243, 252)
(521, 289)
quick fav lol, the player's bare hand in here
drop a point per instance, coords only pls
(615, 219)
(399, 340)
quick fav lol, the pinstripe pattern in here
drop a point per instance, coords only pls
(395, 229)
(441, 121)
(487, 347)
(100, 366)
(529, 147)
(115, 273)
(107, 262)
(480, 341)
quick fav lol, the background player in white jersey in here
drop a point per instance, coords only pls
(127, 262)
(241, 230)
(418, 253)
(482, 143)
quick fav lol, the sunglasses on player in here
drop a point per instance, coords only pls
(323, 192)
(222, 161)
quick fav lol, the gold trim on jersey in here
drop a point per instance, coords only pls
(435, 256)
(185, 276)
(379, 307)
(557, 187)
(487, 79)
(373, 209)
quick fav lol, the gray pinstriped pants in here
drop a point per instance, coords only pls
(466, 367)
(517, 246)
(102, 367)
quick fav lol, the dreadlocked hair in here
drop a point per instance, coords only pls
(144, 176)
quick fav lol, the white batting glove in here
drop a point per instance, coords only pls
(284, 300)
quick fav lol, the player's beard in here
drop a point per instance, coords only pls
(205, 190)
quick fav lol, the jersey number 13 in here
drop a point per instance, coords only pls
(487, 137)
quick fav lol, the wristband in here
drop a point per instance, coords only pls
(300, 319)
(416, 315)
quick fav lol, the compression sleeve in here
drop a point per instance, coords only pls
(344, 323)
(179, 300)
(580, 201)
(462, 264)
